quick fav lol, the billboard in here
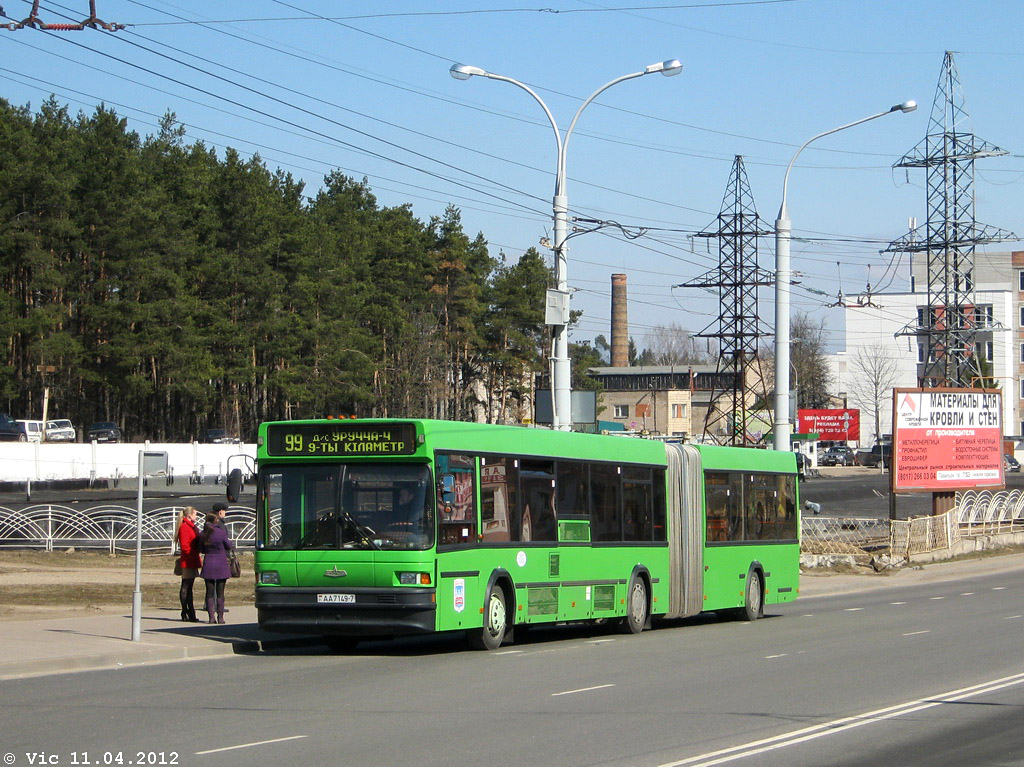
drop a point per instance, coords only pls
(841, 424)
(946, 439)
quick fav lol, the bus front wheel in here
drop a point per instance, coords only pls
(636, 607)
(492, 634)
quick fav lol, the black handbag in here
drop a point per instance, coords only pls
(177, 564)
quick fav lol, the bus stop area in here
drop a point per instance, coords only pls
(34, 647)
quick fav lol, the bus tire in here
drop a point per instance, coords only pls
(492, 633)
(341, 644)
(753, 598)
(637, 610)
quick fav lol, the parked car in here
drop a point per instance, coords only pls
(10, 431)
(1010, 463)
(33, 430)
(878, 455)
(219, 437)
(103, 431)
(837, 456)
(60, 430)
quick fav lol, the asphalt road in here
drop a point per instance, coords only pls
(857, 492)
(910, 675)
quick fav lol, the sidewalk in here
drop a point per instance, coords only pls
(33, 648)
(58, 645)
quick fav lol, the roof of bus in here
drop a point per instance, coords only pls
(495, 438)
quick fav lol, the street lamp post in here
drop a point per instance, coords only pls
(783, 227)
(561, 371)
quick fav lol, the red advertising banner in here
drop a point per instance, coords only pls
(842, 424)
(947, 439)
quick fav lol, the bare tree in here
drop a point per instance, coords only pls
(813, 379)
(672, 345)
(874, 372)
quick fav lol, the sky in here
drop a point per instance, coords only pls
(313, 86)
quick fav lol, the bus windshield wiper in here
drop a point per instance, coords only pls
(362, 531)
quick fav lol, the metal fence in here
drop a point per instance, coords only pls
(109, 528)
(843, 535)
(112, 528)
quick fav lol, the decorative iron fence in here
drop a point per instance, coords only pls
(985, 512)
(110, 528)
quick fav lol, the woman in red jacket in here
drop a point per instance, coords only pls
(187, 536)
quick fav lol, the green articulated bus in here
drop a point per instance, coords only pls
(386, 527)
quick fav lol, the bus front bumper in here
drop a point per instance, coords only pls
(365, 611)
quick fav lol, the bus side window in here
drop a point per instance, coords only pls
(499, 480)
(716, 490)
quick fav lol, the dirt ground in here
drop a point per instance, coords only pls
(58, 584)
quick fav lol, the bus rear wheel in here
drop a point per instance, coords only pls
(753, 599)
(492, 634)
(636, 607)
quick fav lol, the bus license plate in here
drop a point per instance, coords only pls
(335, 598)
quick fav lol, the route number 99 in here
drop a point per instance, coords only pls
(293, 443)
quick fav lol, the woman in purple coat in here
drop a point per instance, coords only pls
(216, 569)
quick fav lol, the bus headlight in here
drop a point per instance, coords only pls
(414, 579)
(270, 577)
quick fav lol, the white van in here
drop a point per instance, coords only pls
(33, 431)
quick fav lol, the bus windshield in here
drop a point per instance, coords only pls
(384, 506)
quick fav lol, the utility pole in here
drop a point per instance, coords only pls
(737, 279)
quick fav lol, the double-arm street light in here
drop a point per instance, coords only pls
(561, 371)
(783, 227)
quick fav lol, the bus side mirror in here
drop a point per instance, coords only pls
(447, 488)
(235, 485)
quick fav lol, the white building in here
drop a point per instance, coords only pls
(873, 346)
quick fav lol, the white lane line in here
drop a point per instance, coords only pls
(999, 588)
(780, 655)
(510, 652)
(1011, 617)
(250, 745)
(967, 594)
(795, 737)
(582, 689)
(599, 641)
(853, 609)
(915, 633)
(897, 603)
(935, 598)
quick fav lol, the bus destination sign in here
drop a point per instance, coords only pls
(341, 438)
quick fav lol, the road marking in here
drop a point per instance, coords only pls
(250, 745)
(853, 609)
(897, 603)
(915, 633)
(935, 598)
(999, 588)
(795, 737)
(780, 655)
(599, 641)
(1011, 617)
(510, 652)
(967, 594)
(582, 689)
